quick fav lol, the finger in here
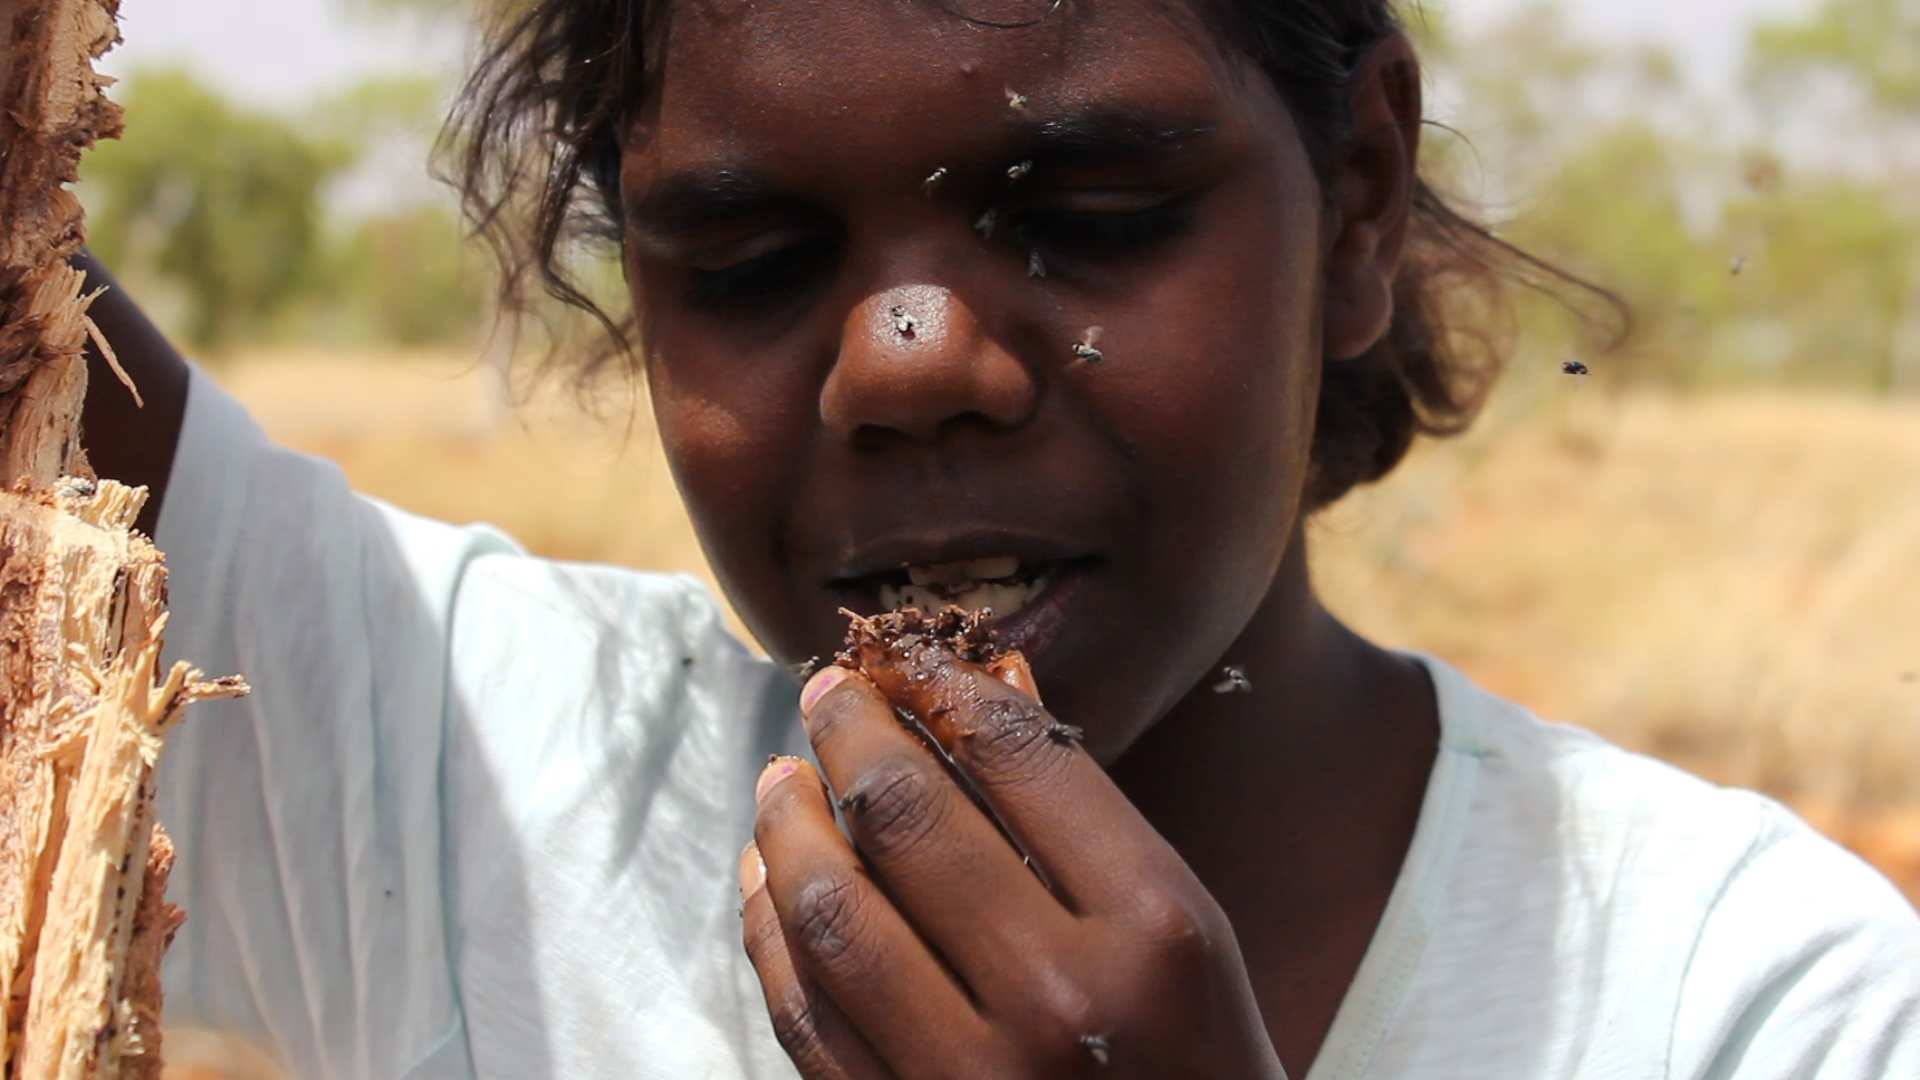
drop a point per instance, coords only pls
(809, 1026)
(1014, 670)
(1058, 802)
(841, 930)
(945, 863)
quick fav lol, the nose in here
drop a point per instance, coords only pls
(915, 360)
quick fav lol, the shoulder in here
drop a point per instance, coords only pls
(1707, 919)
(1806, 960)
(1567, 797)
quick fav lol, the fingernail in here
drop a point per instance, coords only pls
(777, 770)
(753, 871)
(823, 680)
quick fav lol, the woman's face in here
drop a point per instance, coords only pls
(864, 238)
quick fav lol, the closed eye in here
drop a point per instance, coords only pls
(1093, 234)
(766, 279)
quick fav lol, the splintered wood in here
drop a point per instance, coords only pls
(84, 703)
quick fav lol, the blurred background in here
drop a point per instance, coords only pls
(1707, 548)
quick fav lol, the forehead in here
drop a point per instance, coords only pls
(870, 80)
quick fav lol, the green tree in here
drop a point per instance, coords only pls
(408, 277)
(379, 106)
(1836, 271)
(1850, 241)
(1873, 43)
(222, 202)
(1614, 212)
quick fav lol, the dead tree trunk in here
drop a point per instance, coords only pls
(83, 701)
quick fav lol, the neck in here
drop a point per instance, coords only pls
(1317, 773)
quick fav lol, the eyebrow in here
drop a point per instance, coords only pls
(1104, 135)
(691, 200)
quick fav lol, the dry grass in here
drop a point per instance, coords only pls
(1727, 582)
(1716, 580)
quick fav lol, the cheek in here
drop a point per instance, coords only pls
(1216, 410)
(1230, 383)
(726, 435)
(709, 446)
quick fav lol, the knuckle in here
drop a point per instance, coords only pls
(1160, 916)
(1012, 741)
(1061, 1008)
(1174, 932)
(901, 808)
(826, 918)
(1059, 1014)
(763, 940)
(796, 1027)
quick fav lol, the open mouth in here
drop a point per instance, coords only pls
(1004, 585)
(1001, 584)
(1032, 589)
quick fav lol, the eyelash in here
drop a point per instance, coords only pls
(1068, 234)
(1101, 234)
(773, 276)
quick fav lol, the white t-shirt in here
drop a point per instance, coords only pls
(482, 812)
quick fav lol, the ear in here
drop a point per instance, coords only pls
(1372, 185)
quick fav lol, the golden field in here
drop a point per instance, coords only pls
(1731, 582)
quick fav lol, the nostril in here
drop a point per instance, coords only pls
(877, 439)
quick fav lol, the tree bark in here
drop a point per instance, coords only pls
(84, 703)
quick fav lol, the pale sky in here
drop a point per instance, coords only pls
(276, 51)
(280, 51)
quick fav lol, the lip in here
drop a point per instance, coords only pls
(1032, 630)
(890, 553)
(1035, 627)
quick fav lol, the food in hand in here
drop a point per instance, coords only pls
(906, 653)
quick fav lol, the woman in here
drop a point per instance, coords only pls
(482, 814)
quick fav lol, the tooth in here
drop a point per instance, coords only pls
(972, 594)
(924, 599)
(940, 573)
(1009, 598)
(962, 573)
(972, 599)
(992, 569)
(1003, 598)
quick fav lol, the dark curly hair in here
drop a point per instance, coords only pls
(533, 147)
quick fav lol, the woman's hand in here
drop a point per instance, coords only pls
(927, 946)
